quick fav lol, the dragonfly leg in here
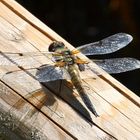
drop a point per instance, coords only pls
(81, 67)
(70, 84)
(60, 64)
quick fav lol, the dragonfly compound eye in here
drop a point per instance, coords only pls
(56, 45)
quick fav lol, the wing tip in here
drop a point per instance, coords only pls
(129, 37)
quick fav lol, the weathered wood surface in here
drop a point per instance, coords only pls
(35, 111)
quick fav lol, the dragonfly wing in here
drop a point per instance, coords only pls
(21, 59)
(26, 58)
(12, 60)
(108, 45)
(118, 65)
(33, 53)
(48, 73)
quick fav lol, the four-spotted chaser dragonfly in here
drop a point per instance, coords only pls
(68, 65)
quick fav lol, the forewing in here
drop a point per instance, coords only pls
(33, 53)
(108, 45)
(118, 65)
(48, 73)
(24, 59)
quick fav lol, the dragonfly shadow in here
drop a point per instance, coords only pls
(63, 92)
(38, 99)
(53, 78)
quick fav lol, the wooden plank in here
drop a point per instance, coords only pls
(24, 84)
(19, 10)
(116, 116)
(24, 119)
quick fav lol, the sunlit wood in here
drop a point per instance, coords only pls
(55, 110)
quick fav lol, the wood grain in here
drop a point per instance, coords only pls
(54, 110)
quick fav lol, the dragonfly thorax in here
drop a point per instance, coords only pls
(68, 58)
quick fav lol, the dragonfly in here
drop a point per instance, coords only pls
(67, 64)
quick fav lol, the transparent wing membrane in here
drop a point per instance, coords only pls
(118, 65)
(108, 45)
(23, 59)
(37, 53)
(48, 73)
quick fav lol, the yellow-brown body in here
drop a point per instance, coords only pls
(66, 58)
(76, 80)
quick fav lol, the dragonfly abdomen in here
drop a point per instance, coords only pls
(76, 80)
(75, 77)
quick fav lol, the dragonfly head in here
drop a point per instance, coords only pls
(56, 45)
